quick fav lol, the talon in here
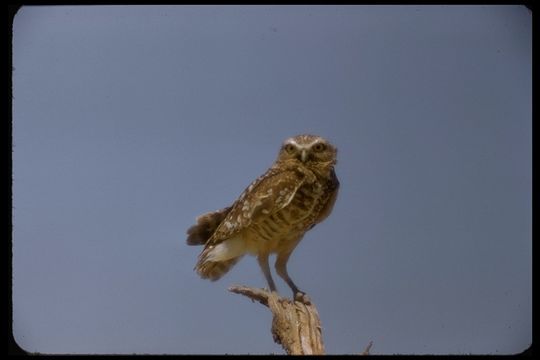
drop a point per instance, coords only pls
(302, 297)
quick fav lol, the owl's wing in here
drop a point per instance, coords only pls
(268, 194)
(332, 188)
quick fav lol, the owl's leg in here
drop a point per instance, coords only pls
(263, 263)
(281, 269)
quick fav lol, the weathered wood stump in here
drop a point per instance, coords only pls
(295, 326)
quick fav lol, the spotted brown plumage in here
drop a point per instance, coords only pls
(272, 215)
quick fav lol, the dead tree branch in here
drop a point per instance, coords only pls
(367, 349)
(295, 325)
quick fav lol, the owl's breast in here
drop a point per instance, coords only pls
(289, 223)
(306, 205)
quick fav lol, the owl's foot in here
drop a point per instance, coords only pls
(302, 297)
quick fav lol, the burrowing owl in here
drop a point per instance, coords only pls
(272, 214)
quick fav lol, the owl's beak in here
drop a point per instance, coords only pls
(303, 155)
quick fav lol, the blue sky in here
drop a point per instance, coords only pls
(130, 121)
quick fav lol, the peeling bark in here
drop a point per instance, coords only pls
(295, 326)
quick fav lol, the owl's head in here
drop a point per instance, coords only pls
(308, 149)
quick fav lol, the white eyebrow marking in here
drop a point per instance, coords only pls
(313, 142)
(291, 141)
(305, 146)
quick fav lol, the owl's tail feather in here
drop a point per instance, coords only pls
(206, 225)
(214, 270)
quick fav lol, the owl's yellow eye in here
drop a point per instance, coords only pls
(319, 147)
(290, 148)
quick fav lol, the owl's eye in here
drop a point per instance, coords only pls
(319, 147)
(290, 148)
